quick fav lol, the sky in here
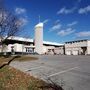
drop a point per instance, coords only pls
(64, 20)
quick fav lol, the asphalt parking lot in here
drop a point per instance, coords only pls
(73, 71)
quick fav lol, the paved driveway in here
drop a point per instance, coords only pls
(73, 70)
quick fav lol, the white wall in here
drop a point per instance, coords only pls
(74, 48)
(18, 47)
(39, 38)
(44, 49)
(9, 47)
(88, 48)
(77, 44)
(59, 50)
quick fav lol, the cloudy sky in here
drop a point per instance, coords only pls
(64, 20)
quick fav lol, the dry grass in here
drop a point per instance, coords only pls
(12, 79)
(26, 58)
(18, 58)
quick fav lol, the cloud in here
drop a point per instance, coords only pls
(64, 10)
(23, 18)
(46, 21)
(83, 34)
(73, 23)
(84, 10)
(56, 27)
(23, 21)
(66, 32)
(20, 10)
(57, 21)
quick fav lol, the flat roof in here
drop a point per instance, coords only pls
(20, 39)
(52, 43)
(76, 41)
(31, 40)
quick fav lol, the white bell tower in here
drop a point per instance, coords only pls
(39, 38)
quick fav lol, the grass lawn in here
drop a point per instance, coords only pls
(18, 58)
(12, 79)
(25, 58)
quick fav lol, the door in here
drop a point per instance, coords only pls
(68, 52)
(75, 52)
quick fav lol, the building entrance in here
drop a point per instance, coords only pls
(84, 49)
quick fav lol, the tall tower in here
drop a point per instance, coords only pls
(39, 38)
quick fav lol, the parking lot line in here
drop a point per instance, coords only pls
(62, 72)
(33, 68)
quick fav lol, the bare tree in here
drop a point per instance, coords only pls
(9, 26)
